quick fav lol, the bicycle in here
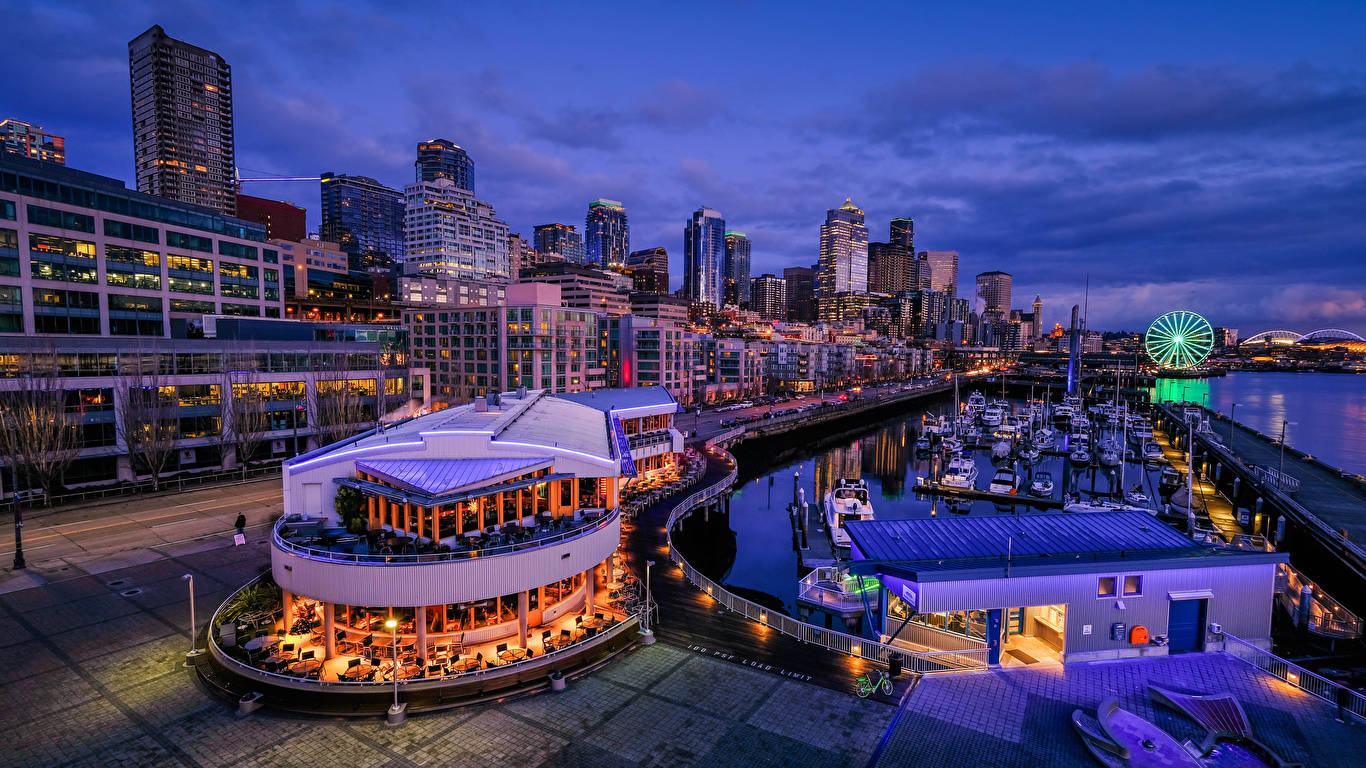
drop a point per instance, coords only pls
(866, 685)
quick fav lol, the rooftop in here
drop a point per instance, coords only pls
(440, 476)
(606, 400)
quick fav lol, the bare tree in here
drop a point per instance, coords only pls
(148, 412)
(38, 438)
(335, 400)
(246, 417)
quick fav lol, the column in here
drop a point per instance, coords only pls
(420, 624)
(420, 521)
(523, 602)
(407, 516)
(590, 587)
(370, 511)
(329, 631)
(287, 602)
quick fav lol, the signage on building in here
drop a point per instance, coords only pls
(908, 591)
(628, 465)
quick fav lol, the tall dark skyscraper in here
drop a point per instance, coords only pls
(704, 256)
(801, 293)
(558, 242)
(442, 159)
(182, 121)
(769, 297)
(902, 233)
(993, 288)
(364, 217)
(737, 269)
(889, 268)
(606, 234)
(649, 270)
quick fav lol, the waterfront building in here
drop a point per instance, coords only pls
(183, 146)
(993, 291)
(943, 271)
(81, 254)
(531, 340)
(442, 159)
(448, 231)
(843, 261)
(638, 351)
(20, 138)
(365, 218)
(607, 234)
(488, 534)
(801, 293)
(737, 287)
(283, 221)
(731, 370)
(649, 270)
(558, 242)
(768, 297)
(1225, 337)
(440, 291)
(297, 386)
(704, 252)
(1077, 587)
(583, 287)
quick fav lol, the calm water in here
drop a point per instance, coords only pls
(1330, 411)
(1327, 411)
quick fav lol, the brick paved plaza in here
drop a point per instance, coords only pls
(95, 679)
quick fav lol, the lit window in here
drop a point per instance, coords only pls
(1107, 587)
(1133, 585)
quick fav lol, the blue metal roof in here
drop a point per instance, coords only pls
(975, 538)
(438, 476)
(622, 398)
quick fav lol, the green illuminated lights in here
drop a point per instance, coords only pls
(1179, 339)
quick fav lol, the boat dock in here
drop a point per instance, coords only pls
(809, 537)
(930, 487)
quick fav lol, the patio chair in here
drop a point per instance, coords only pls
(306, 655)
(287, 649)
(599, 616)
(501, 647)
(350, 665)
(544, 637)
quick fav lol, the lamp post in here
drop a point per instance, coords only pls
(19, 563)
(1282, 469)
(396, 711)
(1231, 410)
(647, 635)
(194, 626)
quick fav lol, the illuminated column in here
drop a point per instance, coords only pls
(286, 602)
(370, 512)
(523, 603)
(329, 631)
(420, 622)
(590, 587)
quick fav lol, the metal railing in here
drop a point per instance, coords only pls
(322, 553)
(926, 662)
(1340, 696)
(165, 485)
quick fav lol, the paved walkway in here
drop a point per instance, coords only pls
(96, 680)
(1022, 717)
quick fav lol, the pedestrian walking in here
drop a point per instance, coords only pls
(241, 525)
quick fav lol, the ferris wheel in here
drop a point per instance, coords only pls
(1179, 339)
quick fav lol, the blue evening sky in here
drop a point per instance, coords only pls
(1204, 155)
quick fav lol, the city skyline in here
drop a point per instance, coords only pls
(1131, 158)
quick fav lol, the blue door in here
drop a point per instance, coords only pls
(1186, 626)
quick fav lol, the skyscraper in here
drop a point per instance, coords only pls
(449, 232)
(993, 288)
(182, 121)
(649, 270)
(521, 254)
(801, 293)
(558, 242)
(902, 233)
(704, 253)
(889, 269)
(769, 297)
(19, 138)
(737, 269)
(943, 271)
(365, 218)
(1038, 327)
(606, 234)
(844, 258)
(442, 159)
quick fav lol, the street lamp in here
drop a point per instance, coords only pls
(396, 711)
(194, 626)
(19, 563)
(647, 635)
(1282, 470)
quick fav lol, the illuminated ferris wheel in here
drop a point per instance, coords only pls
(1179, 339)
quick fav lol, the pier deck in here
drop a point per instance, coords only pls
(1211, 506)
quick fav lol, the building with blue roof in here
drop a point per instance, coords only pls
(1061, 587)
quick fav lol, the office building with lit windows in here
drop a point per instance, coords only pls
(649, 270)
(442, 159)
(606, 234)
(557, 242)
(993, 291)
(19, 138)
(183, 145)
(843, 270)
(448, 231)
(364, 218)
(737, 269)
(943, 271)
(768, 297)
(704, 256)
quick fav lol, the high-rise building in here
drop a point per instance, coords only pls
(182, 121)
(558, 242)
(943, 271)
(890, 269)
(583, 287)
(902, 233)
(521, 253)
(606, 234)
(442, 159)
(649, 270)
(1225, 337)
(737, 289)
(283, 221)
(19, 138)
(1038, 326)
(448, 231)
(844, 259)
(801, 293)
(993, 289)
(365, 218)
(704, 255)
(768, 297)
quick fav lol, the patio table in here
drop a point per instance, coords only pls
(513, 654)
(257, 643)
(407, 672)
(306, 667)
(465, 665)
(614, 585)
(594, 623)
(356, 673)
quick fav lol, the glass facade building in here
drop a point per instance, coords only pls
(442, 159)
(737, 269)
(844, 258)
(364, 217)
(607, 235)
(704, 253)
(558, 242)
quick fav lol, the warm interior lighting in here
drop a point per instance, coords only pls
(390, 625)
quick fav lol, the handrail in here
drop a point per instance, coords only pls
(1312, 683)
(318, 553)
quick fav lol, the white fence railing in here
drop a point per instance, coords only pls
(1340, 696)
(851, 645)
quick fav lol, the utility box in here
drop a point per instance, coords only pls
(1117, 631)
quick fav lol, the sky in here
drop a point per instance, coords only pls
(1203, 156)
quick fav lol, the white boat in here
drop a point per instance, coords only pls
(937, 425)
(1137, 497)
(1030, 454)
(951, 444)
(1043, 438)
(1152, 452)
(1042, 486)
(976, 403)
(847, 501)
(972, 434)
(1004, 481)
(1101, 505)
(1000, 449)
(992, 416)
(1080, 457)
(1080, 423)
(1062, 414)
(960, 473)
(1111, 454)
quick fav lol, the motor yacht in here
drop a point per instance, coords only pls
(951, 445)
(960, 473)
(1004, 481)
(1111, 453)
(1042, 485)
(992, 415)
(1152, 452)
(1137, 497)
(976, 403)
(847, 501)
